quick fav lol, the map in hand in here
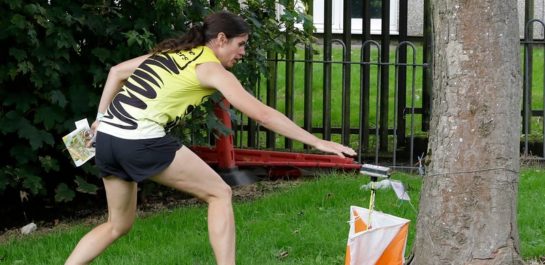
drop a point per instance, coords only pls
(75, 143)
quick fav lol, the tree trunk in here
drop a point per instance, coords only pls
(468, 201)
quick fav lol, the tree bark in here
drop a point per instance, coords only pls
(468, 201)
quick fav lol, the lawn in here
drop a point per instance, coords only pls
(302, 222)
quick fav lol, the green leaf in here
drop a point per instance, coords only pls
(48, 116)
(26, 129)
(33, 135)
(64, 39)
(255, 22)
(284, 2)
(213, 123)
(25, 67)
(233, 114)
(33, 37)
(21, 100)
(63, 193)
(68, 19)
(10, 122)
(21, 152)
(102, 54)
(143, 40)
(18, 21)
(13, 4)
(44, 22)
(57, 97)
(38, 80)
(85, 187)
(33, 183)
(49, 163)
(12, 72)
(3, 180)
(132, 37)
(34, 9)
(18, 54)
(43, 137)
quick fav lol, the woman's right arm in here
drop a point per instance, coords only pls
(214, 75)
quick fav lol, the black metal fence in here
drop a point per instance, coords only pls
(533, 103)
(380, 129)
(391, 115)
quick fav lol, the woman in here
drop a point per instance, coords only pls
(146, 95)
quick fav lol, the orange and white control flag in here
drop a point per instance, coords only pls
(376, 238)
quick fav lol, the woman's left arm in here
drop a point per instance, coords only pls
(117, 75)
(214, 75)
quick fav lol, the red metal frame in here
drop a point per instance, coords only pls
(225, 156)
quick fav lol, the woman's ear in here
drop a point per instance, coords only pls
(222, 38)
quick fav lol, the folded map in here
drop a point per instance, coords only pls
(75, 143)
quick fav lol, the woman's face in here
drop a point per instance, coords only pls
(232, 50)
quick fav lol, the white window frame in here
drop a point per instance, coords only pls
(337, 18)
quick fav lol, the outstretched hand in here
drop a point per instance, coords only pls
(335, 148)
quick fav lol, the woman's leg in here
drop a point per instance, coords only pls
(190, 174)
(121, 196)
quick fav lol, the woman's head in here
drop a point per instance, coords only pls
(227, 35)
(217, 25)
(230, 24)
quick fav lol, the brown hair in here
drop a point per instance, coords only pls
(228, 23)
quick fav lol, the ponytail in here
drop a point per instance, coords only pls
(221, 22)
(193, 38)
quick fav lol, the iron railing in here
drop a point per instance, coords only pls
(380, 140)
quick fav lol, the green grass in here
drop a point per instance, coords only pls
(304, 223)
(531, 206)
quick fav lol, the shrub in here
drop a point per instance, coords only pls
(55, 61)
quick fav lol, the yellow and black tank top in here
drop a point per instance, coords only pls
(162, 90)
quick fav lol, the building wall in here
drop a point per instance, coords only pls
(416, 15)
(415, 18)
(539, 13)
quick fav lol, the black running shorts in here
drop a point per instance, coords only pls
(134, 160)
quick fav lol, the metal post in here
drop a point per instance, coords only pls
(308, 81)
(402, 74)
(326, 112)
(427, 74)
(347, 39)
(364, 80)
(289, 73)
(308, 90)
(528, 69)
(385, 73)
(271, 92)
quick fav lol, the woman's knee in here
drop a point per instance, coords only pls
(222, 192)
(120, 229)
